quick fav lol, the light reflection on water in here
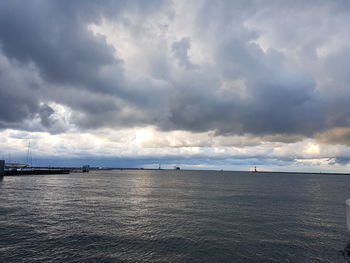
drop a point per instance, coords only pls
(173, 216)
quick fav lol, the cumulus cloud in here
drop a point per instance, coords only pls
(51, 43)
(236, 68)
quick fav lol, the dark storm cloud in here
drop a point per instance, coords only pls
(280, 97)
(57, 41)
(277, 101)
(54, 35)
(49, 55)
(340, 160)
(16, 103)
(54, 38)
(180, 49)
(45, 115)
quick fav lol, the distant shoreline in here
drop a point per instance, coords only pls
(79, 169)
(257, 172)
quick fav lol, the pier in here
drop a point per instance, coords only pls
(36, 172)
(10, 169)
(7, 169)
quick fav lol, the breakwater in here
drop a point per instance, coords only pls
(15, 168)
(36, 171)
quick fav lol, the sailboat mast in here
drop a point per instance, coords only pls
(29, 155)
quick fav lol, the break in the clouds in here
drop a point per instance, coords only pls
(266, 71)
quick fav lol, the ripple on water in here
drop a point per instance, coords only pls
(173, 216)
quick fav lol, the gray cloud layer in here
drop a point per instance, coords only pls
(49, 55)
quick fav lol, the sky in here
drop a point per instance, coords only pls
(196, 84)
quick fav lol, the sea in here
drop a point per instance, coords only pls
(174, 216)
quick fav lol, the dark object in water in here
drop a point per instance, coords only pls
(86, 168)
(346, 252)
(2, 168)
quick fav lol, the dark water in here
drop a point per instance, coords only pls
(173, 216)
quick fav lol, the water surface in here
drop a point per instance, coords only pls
(173, 216)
